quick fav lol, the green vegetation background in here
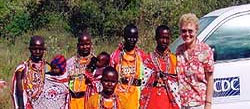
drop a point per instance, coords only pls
(61, 21)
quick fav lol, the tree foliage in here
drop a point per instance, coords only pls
(103, 18)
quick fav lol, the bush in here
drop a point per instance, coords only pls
(104, 18)
(18, 25)
(16, 21)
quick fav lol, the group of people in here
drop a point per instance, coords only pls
(129, 78)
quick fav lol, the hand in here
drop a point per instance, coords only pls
(208, 105)
(163, 76)
(124, 80)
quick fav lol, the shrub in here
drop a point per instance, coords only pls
(104, 18)
(17, 21)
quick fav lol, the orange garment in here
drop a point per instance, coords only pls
(129, 65)
(158, 97)
(94, 102)
(129, 93)
(77, 83)
(78, 103)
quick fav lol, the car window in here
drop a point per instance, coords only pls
(232, 39)
(204, 22)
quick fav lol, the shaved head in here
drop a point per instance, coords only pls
(130, 31)
(130, 37)
(37, 48)
(163, 38)
(36, 40)
(109, 80)
(84, 36)
(84, 44)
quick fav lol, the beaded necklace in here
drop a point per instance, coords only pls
(79, 70)
(156, 58)
(132, 74)
(110, 103)
(34, 79)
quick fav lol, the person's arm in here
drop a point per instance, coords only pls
(209, 92)
(67, 101)
(19, 90)
(209, 69)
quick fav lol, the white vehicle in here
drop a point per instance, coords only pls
(227, 30)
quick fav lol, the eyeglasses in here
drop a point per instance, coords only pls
(190, 31)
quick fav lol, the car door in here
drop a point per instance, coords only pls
(231, 42)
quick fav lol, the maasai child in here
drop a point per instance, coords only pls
(103, 60)
(76, 69)
(128, 61)
(107, 98)
(161, 91)
(96, 67)
(55, 93)
(28, 79)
